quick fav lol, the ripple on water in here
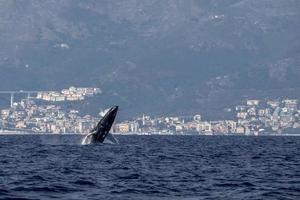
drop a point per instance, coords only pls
(150, 167)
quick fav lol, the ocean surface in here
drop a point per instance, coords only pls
(150, 167)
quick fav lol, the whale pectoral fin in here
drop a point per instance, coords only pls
(111, 139)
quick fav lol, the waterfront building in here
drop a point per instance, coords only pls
(252, 102)
(240, 130)
(273, 104)
(291, 104)
(204, 127)
(123, 127)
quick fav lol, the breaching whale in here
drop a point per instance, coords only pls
(101, 131)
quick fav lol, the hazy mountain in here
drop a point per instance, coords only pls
(155, 56)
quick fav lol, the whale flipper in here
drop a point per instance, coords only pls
(111, 139)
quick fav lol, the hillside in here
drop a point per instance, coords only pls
(159, 57)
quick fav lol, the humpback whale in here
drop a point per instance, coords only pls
(101, 131)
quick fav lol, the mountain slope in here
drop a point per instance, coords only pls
(153, 56)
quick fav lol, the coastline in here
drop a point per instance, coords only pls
(152, 134)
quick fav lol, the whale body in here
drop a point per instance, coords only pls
(101, 131)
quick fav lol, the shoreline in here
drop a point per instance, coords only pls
(135, 134)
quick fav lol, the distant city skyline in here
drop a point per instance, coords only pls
(255, 117)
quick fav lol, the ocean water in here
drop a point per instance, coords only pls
(150, 167)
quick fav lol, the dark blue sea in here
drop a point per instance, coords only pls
(150, 167)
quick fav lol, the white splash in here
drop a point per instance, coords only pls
(103, 112)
